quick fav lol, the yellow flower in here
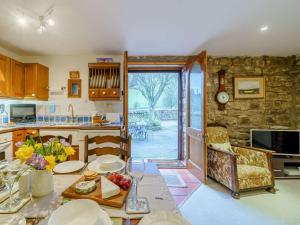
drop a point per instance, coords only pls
(38, 145)
(51, 162)
(57, 145)
(62, 158)
(69, 151)
(24, 153)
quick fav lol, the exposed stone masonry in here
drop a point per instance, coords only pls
(297, 92)
(279, 108)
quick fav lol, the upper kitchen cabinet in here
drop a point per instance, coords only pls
(5, 76)
(104, 81)
(17, 79)
(36, 81)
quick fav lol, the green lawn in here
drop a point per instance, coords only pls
(136, 100)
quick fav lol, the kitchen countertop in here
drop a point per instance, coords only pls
(6, 129)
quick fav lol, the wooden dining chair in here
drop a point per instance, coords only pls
(46, 138)
(123, 150)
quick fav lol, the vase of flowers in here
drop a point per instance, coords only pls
(42, 158)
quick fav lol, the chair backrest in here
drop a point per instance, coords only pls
(46, 138)
(217, 134)
(123, 150)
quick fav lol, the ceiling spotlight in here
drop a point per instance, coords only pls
(42, 29)
(51, 22)
(264, 28)
(42, 26)
(22, 21)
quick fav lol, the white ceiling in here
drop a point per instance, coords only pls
(154, 27)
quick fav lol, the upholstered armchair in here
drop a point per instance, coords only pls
(238, 168)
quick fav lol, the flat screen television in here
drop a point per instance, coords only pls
(280, 141)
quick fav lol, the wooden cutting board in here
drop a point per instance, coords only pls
(114, 201)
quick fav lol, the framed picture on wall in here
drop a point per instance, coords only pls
(74, 74)
(249, 87)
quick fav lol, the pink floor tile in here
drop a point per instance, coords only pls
(180, 194)
(179, 199)
(181, 191)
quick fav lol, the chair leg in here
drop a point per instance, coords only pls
(271, 190)
(235, 195)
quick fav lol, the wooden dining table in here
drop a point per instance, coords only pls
(150, 169)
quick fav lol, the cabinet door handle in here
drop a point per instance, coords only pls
(33, 94)
(104, 93)
(93, 92)
(277, 170)
(114, 92)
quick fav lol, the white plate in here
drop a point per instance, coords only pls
(68, 167)
(79, 212)
(163, 218)
(96, 165)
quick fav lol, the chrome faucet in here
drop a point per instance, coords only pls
(70, 107)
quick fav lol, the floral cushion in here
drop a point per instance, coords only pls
(221, 146)
(246, 171)
(251, 157)
(253, 176)
(217, 135)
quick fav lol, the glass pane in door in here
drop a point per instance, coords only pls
(196, 97)
(153, 114)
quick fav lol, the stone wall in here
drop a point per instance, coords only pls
(276, 110)
(297, 92)
(297, 110)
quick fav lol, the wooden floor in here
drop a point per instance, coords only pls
(181, 194)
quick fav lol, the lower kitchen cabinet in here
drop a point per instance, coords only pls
(20, 135)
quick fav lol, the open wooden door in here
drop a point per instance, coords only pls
(125, 93)
(196, 116)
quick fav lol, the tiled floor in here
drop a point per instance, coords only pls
(181, 194)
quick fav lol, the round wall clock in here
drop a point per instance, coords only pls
(222, 96)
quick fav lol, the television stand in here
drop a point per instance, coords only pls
(286, 166)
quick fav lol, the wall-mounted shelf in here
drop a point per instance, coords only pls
(104, 81)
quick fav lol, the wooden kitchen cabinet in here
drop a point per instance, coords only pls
(20, 135)
(5, 76)
(17, 79)
(31, 132)
(36, 81)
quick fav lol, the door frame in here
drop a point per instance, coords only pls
(164, 70)
(200, 173)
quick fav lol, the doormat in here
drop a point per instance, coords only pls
(174, 180)
(168, 164)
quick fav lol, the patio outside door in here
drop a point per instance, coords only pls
(196, 124)
(153, 114)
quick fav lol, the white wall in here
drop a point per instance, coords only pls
(59, 67)
(10, 54)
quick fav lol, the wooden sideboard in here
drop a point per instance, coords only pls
(282, 162)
